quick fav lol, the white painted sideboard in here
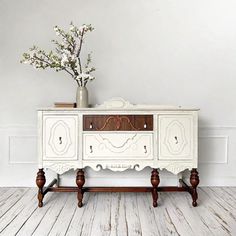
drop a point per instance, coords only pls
(118, 135)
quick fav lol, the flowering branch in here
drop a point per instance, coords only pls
(66, 56)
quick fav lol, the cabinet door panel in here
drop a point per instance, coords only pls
(60, 137)
(175, 137)
(123, 146)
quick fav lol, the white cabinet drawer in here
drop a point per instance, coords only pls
(176, 137)
(60, 137)
(123, 146)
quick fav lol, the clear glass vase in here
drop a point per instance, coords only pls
(81, 97)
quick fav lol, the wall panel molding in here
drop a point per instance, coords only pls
(224, 145)
(20, 149)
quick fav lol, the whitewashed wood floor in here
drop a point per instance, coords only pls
(118, 213)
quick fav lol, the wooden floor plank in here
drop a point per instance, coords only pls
(32, 223)
(207, 217)
(225, 218)
(16, 209)
(6, 193)
(102, 224)
(118, 214)
(226, 197)
(22, 217)
(4, 190)
(51, 216)
(65, 217)
(183, 201)
(147, 218)
(82, 221)
(132, 214)
(10, 198)
(118, 222)
(231, 190)
(177, 217)
(162, 217)
(224, 200)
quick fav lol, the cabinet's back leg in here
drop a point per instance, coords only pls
(194, 180)
(80, 180)
(40, 181)
(155, 182)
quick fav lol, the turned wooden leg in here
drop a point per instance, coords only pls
(155, 182)
(40, 181)
(80, 180)
(194, 180)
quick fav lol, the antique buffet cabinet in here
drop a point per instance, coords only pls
(118, 135)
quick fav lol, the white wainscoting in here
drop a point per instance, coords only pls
(18, 161)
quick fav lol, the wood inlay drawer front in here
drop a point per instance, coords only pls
(118, 146)
(117, 122)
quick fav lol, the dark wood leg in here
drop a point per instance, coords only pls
(194, 180)
(40, 181)
(155, 182)
(80, 180)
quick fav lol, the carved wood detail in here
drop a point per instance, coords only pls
(116, 103)
(155, 180)
(80, 180)
(117, 166)
(40, 181)
(194, 180)
(60, 167)
(176, 167)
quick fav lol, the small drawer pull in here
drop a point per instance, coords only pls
(145, 148)
(91, 148)
(176, 140)
(145, 126)
(91, 125)
(60, 140)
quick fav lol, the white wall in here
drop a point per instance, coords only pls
(147, 51)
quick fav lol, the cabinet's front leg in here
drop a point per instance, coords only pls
(194, 180)
(80, 180)
(155, 180)
(40, 181)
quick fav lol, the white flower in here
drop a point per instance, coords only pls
(56, 29)
(83, 27)
(72, 28)
(66, 51)
(64, 60)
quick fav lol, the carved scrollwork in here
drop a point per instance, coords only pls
(176, 168)
(116, 103)
(117, 166)
(60, 167)
(105, 143)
